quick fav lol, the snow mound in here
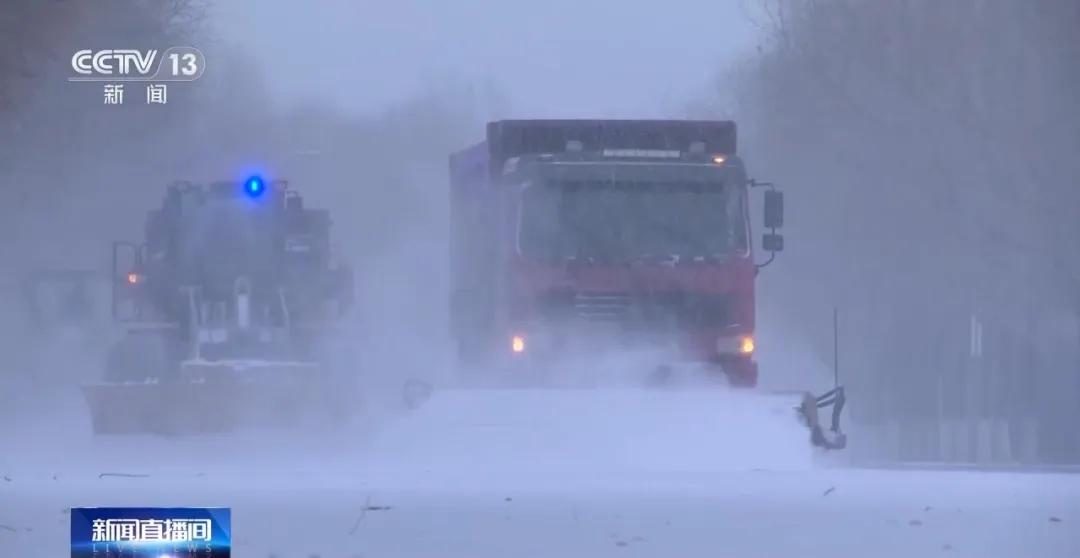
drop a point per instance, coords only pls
(597, 430)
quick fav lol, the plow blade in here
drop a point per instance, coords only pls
(214, 398)
(175, 408)
(605, 430)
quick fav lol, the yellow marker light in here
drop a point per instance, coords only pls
(132, 278)
(517, 344)
(719, 159)
(746, 345)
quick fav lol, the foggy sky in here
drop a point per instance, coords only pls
(556, 58)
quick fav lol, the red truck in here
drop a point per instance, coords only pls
(585, 235)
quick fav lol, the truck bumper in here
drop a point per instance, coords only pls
(534, 349)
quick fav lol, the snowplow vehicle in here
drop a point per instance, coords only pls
(228, 308)
(572, 238)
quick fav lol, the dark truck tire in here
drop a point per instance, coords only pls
(741, 372)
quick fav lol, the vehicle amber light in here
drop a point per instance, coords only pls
(746, 345)
(517, 344)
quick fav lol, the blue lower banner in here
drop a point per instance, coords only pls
(151, 532)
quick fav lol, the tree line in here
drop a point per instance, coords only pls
(928, 149)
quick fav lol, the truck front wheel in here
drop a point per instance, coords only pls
(741, 372)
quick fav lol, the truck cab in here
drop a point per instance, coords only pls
(580, 237)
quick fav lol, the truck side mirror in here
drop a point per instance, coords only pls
(774, 209)
(772, 242)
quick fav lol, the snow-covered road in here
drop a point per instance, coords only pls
(539, 474)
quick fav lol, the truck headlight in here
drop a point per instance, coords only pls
(736, 345)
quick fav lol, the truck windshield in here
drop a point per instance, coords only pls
(630, 220)
(225, 240)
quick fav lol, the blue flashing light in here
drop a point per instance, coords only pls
(254, 186)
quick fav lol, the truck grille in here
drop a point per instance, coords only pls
(603, 307)
(656, 309)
